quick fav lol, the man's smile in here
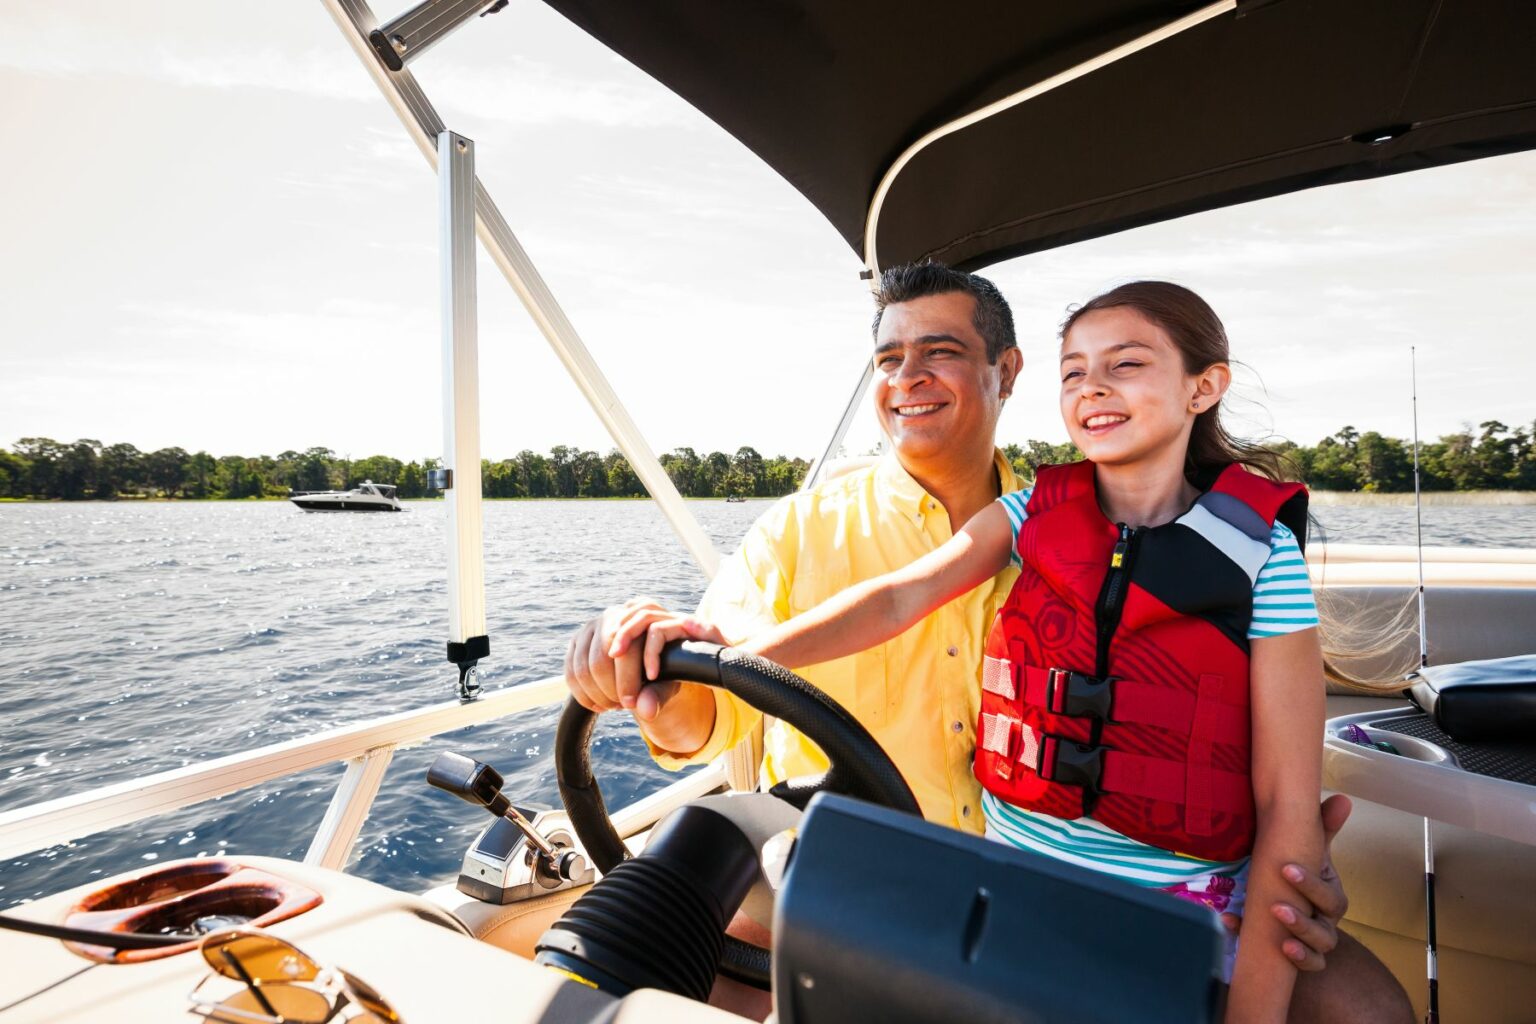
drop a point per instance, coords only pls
(907, 411)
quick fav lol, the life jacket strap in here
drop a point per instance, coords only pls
(1064, 692)
(1101, 770)
(1223, 712)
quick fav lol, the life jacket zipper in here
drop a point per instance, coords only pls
(1112, 594)
(1107, 619)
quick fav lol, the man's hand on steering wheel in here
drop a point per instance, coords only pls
(1315, 931)
(606, 675)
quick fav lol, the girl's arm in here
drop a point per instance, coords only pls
(1287, 701)
(867, 613)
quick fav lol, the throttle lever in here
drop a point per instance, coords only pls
(478, 783)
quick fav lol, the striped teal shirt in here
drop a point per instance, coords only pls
(1282, 603)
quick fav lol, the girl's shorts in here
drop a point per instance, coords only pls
(1222, 894)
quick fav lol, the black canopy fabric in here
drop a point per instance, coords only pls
(1279, 96)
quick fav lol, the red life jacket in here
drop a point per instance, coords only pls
(1116, 675)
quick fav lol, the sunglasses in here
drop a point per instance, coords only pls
(283, 985)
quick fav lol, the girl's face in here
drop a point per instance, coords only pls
(1125, 395)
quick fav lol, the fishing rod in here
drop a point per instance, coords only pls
(1432, 1014)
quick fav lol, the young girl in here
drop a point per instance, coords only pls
(1152, 701)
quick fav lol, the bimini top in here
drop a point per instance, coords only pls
(1248, 98)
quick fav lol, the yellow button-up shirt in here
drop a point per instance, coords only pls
(919, 693)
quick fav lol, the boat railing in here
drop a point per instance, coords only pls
(366, 748)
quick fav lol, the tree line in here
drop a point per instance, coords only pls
(42, 468)
(1494, 457)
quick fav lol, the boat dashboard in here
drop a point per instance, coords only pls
(412, 952)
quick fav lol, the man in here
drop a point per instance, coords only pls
(945, 360)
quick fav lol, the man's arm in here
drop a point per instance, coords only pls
(684, 723)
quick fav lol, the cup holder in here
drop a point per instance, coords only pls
(192, 898)
(157, 886)
(210, 910)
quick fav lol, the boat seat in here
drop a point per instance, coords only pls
(515, 927)
(1485, 903)
(1485, 897)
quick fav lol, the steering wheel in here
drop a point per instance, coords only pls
(858, 766)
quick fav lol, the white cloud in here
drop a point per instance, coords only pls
(516, 90)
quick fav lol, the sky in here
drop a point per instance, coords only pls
(214, 233)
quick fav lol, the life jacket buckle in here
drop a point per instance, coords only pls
(1067, 761)
(1079, 695)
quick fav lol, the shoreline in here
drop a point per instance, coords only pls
(1432, 499)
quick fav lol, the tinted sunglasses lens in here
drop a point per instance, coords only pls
(364, 995)
(263, 957)
(294, 1005)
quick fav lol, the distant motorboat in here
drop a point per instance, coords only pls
(365, 497)
(734, 498)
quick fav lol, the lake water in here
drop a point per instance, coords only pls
(138, 637)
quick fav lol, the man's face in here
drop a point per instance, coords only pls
(935, 392)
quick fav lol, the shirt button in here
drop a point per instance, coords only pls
(956, 727)
(965, 812)
(953, 651)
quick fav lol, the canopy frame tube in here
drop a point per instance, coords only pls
(422, 122)
(411, 34)
(1040, 88)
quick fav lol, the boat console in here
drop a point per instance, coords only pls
(413, 953)
(843, 948)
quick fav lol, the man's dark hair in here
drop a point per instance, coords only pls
(993, 319)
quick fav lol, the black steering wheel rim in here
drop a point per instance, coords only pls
(859, 766)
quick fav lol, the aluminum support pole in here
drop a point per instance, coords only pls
(421, 121)
(813, 474)
(344, 818)
(411, 34)
(467, 639)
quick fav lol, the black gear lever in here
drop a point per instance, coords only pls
(480, 784)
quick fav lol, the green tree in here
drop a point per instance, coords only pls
(748, 473)
(381, 469)
(198, 474)
(561, 473)
(1332, 466)
(42, 455)
(1383, 463)
(312, 470)
(14, 473)
(589, 475)
(166, 470)
(534, 474)
(413, 483)
(77, 472)
(120, 470)
(621, 475)
(685, 469)
(783, 475)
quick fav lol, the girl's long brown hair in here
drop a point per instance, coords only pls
(1197, 332)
